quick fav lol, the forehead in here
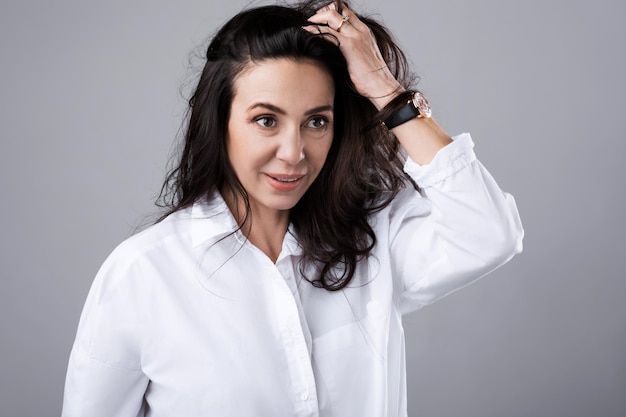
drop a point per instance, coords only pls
(284, 81)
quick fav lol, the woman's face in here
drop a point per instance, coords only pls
(280, 130)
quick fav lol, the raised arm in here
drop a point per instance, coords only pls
(462, 225)
(421, 137)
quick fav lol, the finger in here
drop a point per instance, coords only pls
(321, 30)
(325, 32)
(331, 19)
(326, 17)
(314, 29)
(353, 19)
(329, 7)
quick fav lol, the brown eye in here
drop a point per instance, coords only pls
(265, 121)
(317, 122)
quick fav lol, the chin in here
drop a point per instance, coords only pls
(286, 202)
(285, 205)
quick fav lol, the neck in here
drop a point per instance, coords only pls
(263, 227)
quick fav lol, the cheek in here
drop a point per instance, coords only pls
(321, 151)
(249, 156)
(239, 150)
(232, 152)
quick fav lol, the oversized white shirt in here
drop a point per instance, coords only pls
(188, 319)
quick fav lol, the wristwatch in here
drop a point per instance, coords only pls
(418, 106)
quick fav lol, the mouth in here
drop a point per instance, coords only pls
(292, 179)
(284, 182)
(286, 177)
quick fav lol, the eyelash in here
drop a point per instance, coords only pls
(318, 119)
(260, 120)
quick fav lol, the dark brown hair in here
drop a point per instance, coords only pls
(363, 170)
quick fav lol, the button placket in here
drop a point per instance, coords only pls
(294, 341)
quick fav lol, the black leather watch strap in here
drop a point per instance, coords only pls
(402, 115)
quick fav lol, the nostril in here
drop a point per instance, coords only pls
(291, 151)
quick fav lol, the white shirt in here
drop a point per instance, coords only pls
(186, 319)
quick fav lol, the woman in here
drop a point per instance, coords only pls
(299, 230)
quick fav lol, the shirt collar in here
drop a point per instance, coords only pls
(211, 220)
(291, 246)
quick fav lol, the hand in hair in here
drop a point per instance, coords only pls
(368, 70)
(370, 52)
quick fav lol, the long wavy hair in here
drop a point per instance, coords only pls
(363, 170)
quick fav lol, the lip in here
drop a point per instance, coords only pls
(284, 182)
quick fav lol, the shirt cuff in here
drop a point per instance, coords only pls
(447, 162)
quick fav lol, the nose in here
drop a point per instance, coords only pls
(290, 147)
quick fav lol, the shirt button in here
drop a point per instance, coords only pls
(304, 396)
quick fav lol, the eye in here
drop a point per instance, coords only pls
(317, 122)
(265, 121)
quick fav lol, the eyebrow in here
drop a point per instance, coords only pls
(283, 112)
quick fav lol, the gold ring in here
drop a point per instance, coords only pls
(344, 19)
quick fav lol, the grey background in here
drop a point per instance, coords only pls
(90, 104)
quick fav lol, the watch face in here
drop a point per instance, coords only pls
(422, 104)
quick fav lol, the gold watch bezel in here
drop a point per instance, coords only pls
(422, 105)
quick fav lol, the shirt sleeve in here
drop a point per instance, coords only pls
(104, 376)
(460, 226)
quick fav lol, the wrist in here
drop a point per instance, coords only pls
(385, 93)
(397, 112)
